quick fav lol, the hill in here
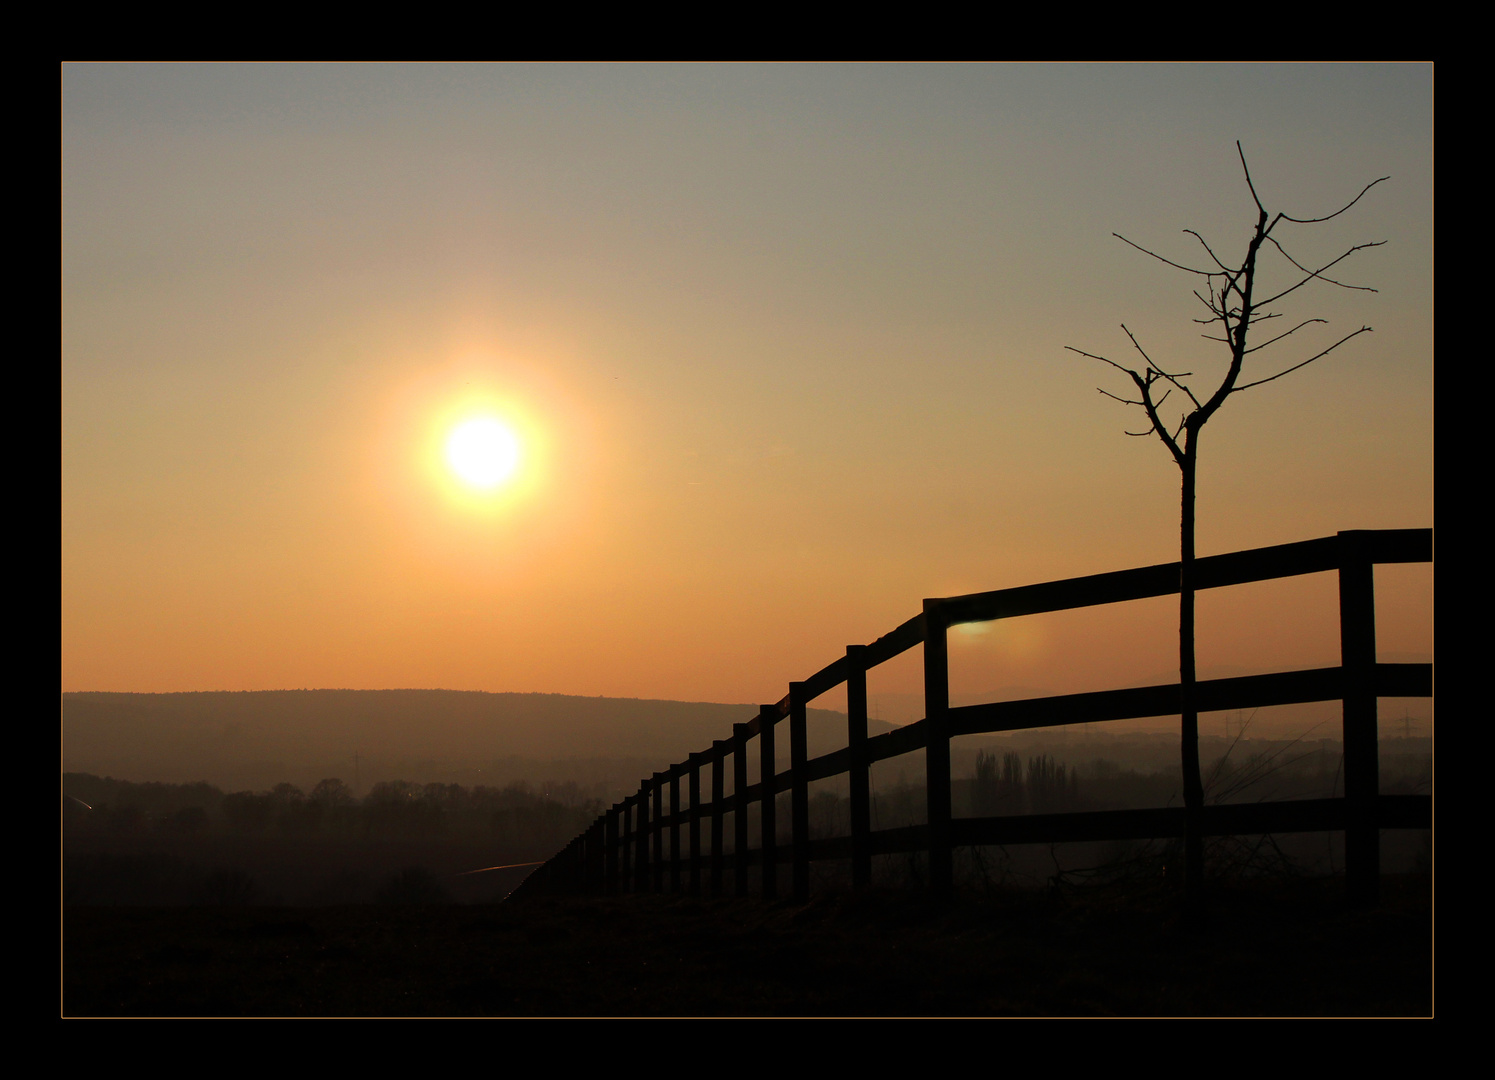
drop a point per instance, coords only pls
(256, 739)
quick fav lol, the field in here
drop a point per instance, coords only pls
(1285, 949)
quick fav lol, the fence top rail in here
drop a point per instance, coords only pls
(1211, 572)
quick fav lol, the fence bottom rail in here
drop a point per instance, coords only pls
(1160, 823)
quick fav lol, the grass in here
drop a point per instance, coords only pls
(1272, 949)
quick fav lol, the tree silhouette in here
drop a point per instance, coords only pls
(1230, 295)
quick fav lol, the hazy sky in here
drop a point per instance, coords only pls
(784, 345)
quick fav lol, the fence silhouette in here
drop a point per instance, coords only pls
(625, 848)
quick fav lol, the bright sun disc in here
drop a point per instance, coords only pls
(483, 452)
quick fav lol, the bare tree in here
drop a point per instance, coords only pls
(1230, 295)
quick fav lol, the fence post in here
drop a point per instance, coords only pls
(625, 851)
(1362, 767)
(799, 791)
(937, 749)
(610, 866)
(620, 846)
(856, 742)
(719, 749)
(675, 829)
(641, 840)
(767, 816)
(739, 815)
(597, 857)
(657, 827)
(694, 792)
(637, 857)
(603, 828)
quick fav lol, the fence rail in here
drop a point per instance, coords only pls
(625, 849)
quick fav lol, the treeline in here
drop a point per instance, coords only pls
(1009, 783)
(516, 812)
(1004, 786)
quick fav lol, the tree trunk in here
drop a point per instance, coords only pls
(1189, 741)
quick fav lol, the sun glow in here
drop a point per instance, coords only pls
(484, 452)
(465, 450)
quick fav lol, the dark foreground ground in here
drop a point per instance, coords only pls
(1287, 950)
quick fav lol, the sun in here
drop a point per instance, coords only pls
(483, 452)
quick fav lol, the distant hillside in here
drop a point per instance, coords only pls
(255, 740)
(260, 738)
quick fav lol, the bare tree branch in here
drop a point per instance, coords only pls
(1207, 248)
(1305, 363)
(1320, 271)
(1342, 209)
(1246, 169)
(1170, 441)
(1103, 360)
(1139, 348)
(1331, 281)
(1182, 386)
(1284, 334)
(1210, 303)
(1170, 262)
(1174, 379)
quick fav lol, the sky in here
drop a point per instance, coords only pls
(783, 345)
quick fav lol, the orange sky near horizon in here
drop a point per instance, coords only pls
(784, 347)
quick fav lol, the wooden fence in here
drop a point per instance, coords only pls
(637, 843)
